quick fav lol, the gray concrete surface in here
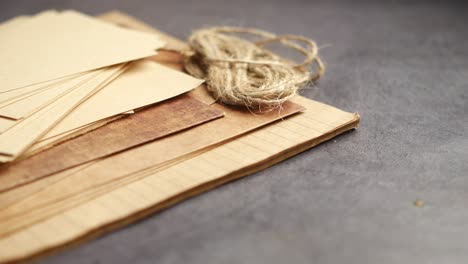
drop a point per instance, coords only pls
(403, 65)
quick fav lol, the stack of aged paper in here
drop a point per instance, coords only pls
(109, 161)
(66, 71)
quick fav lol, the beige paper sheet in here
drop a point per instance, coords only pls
(17, 94)
(172, 43)
(13, 21)
(9, 97)
(41, 48)
(21, 93)
(144, 83)
(16, 140)
(6, 124)
(11, 24)
(28, 105)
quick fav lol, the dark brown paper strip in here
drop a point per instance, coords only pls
(83, 185)
(147, 125)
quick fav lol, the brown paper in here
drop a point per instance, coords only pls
(47, 143)
(176, 147)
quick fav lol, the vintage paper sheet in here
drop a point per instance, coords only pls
(154, 190)
(145, 82)
(47, 143)
(17, 139)
(19, 94)
(41, 48)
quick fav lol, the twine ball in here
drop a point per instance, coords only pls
(245, 73)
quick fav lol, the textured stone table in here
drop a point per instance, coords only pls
(404, 67)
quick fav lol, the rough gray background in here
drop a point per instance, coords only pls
(404, 67)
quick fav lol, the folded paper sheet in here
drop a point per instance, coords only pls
(40, 48)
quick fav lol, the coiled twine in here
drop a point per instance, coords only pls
(243, 72)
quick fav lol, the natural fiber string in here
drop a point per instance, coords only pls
(241, 72)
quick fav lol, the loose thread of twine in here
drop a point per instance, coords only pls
(242, 72)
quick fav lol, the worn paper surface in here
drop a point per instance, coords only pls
(41, 48)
